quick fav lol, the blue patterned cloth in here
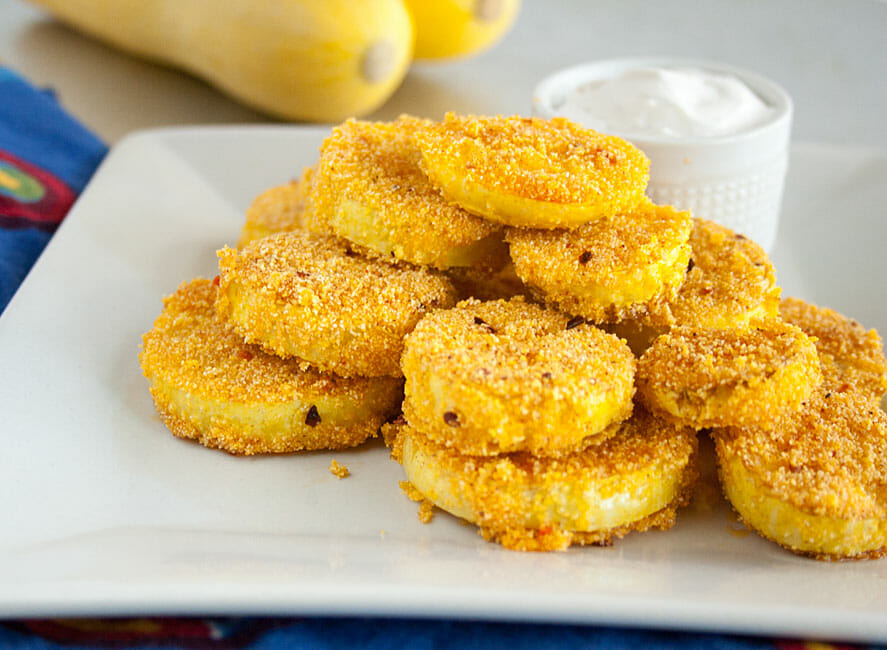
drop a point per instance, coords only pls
(364, 634)
(46, 159)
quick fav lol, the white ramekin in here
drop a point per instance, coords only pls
(735, 180)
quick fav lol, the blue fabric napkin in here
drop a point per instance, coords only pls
(46, 159)
(362, 633)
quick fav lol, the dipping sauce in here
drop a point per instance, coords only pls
(668, 102)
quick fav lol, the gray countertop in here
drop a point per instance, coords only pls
(830, 55)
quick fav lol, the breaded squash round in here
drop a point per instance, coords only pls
(299, 294)
(634, 480)
(627, 265)
(370, 189)
(852, 357)
(277, 209)
(210, 386)
(720, 378)
(531, 172)
(730, 281)
(502, 376)
(817, 484)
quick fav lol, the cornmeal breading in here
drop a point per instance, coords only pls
(816, 484)
(310, 296)
(719, 378)
(526, 171)
(514, 411)
(852, 357)
(369, 189)
(210, 386)
(632, 481)
(730, 281)
(501, 376)
(627, 265)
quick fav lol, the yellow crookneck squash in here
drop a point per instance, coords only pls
(459, 28)
(312, 60)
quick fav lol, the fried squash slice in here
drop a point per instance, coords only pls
(210, 386)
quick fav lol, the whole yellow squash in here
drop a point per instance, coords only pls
(313, 60)
(457, 28)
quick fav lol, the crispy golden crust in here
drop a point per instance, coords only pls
(210, 386)
(850, 354)
(730, 281)
(278, 209)
(816, 484)
(532, 172)
(370, 189)
(309, 296)
(721, 378)
(491, 377)
(627, 265)
(632, 481)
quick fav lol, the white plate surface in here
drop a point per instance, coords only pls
(104, 512)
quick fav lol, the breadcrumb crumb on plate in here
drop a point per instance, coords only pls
(426, 507)
(527, 171)
(210, 386)
(339, 471)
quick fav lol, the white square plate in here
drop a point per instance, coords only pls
(105, 513)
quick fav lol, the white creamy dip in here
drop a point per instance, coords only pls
(671, 102)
